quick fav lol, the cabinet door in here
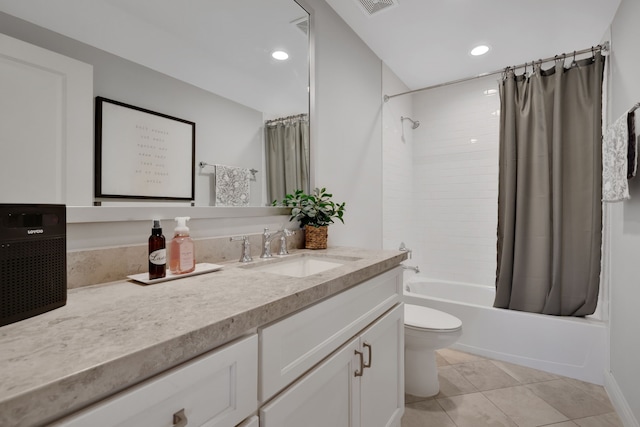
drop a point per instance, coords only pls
(382, 385)
(250, 422)
(327, 396)
(292, 346)
(218, 389)
(47, 126)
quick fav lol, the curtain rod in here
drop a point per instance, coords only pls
(600, 47)
(281, 119)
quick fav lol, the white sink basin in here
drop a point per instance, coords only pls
(301, 267)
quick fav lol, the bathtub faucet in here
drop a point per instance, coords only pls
(410, 267)
(403, 248)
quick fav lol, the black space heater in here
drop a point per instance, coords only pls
(33, 260)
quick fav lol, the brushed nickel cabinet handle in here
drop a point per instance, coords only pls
(358, 373)
(368, 346)
(180, 419)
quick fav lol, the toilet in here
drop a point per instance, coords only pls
(425, 331)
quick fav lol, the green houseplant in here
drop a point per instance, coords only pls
(315, 211)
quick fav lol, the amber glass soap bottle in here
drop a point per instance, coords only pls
(157, 252)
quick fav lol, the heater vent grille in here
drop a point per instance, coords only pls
(372, 7)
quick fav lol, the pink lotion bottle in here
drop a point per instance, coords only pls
(182, 256)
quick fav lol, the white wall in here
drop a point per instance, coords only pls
(347, 128)
(625, 234)
(440, 189)
(397, 171)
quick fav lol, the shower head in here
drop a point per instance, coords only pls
(414, 123)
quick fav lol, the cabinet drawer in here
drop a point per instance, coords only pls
(293, 345)
(217, 389)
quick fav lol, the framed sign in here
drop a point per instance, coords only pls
(142, 154)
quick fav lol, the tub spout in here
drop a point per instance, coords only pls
(411, 267)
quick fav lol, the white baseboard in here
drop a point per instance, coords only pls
(619, 402)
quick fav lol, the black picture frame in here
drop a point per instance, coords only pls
(142, 154)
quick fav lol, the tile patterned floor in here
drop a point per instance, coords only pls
(478, 392)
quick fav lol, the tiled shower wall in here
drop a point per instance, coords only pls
(454, 181)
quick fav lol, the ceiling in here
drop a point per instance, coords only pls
(427, 42)
(424, 42)
(222, 46)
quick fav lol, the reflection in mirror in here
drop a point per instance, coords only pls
(223, 47)
(287, 156)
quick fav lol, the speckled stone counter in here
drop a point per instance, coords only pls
(111, 336)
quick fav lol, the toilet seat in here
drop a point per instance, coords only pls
(425, 318)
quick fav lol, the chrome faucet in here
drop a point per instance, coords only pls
(410, 267)
(246, 248)
(267, 237)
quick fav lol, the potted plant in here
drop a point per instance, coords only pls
(315, 211)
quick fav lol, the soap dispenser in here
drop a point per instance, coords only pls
(182, 257)
(157, 252)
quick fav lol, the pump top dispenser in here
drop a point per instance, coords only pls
(182, 258)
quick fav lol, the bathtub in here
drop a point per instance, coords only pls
(572, 347)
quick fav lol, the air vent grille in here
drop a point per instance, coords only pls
(374, 6)
(302, 24)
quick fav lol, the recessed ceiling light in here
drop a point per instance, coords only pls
(490, 92)
(473, 140)
(280, 55)
(479, 50)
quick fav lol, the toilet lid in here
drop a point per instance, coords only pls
(416, 316)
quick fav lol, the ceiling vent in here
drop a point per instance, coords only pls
(302, 24)
(371, 7)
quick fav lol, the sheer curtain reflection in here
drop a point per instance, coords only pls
(287, 156)
(549, 203)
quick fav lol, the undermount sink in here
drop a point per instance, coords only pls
(300, 266)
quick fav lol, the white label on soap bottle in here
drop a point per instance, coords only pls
(186, 256)
(158, 257)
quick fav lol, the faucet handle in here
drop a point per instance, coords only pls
(246, 248)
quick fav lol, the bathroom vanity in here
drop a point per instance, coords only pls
(242, 346)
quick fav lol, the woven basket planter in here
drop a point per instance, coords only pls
(315, 237)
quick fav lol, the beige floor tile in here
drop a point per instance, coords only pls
(426, 414)
(441, 361)
(570, 400)
(524, 407)
(523, 374)
(563, 424)
(454, 357)
(410, 398)
(594, 390)
(474, 410)
(484, 375)
(452, 383)
(607, 420)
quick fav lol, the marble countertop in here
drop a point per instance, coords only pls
(111, 336)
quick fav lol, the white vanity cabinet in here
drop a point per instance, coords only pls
(218, 389)
(340, 361)
(360, 385)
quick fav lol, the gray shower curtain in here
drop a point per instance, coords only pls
(287, 156)
(549, 202)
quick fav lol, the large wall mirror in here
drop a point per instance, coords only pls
(223, 48)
